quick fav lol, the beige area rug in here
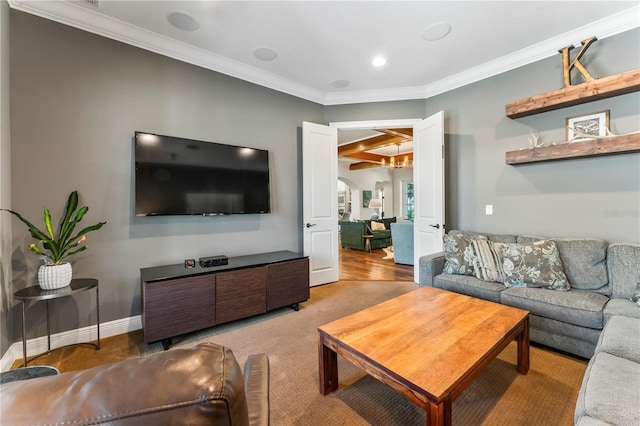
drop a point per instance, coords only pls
(499, 396)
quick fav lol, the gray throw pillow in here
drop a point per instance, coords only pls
(535, 264)
(486, 261)
(458, 254)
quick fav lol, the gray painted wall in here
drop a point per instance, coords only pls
(76, 101)
(6, 323)
(595, 197)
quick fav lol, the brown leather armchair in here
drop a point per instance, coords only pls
(198, 386)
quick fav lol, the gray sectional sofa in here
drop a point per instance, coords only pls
(595, 319)
(603, 278)
(611, 384)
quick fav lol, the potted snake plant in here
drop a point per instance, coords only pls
(58, 246)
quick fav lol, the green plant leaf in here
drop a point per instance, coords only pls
(34, 248)
(63, 246)
(74, 241)
(64, 238)
(47, 222)
(72, 204)
(35, 232)
(83, 248)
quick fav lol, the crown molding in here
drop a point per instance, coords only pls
(84, 18)
(607, 27)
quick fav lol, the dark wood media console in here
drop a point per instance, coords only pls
(178, 300)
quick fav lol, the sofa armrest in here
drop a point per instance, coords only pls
(430, 266)
(256, 385)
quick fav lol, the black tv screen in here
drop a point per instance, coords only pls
(177, 176)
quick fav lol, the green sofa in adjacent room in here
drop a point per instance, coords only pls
(352, 234)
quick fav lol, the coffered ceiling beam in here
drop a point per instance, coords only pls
(363, 165)
(368, 144)
(407, 134)
(367, 156)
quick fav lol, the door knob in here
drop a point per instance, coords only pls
(437, 226)
(309, 225)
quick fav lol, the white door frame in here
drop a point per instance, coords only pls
(375, 124)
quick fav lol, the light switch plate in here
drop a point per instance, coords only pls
(488, 209)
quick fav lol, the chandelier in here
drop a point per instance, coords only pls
(398, 162)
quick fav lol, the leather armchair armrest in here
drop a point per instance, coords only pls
(198, 386)
(256, 385)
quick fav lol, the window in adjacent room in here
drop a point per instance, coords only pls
(408, 201)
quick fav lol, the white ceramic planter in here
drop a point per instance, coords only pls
(51, 277)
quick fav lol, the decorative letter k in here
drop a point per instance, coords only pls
(566, 65)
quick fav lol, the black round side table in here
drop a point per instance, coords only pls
(36, 293)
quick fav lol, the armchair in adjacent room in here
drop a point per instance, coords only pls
(402, 236)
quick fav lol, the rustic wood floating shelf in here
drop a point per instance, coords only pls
(589, 148)
(602, 88)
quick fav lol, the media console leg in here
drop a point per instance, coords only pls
(166, 343)
(295, 307)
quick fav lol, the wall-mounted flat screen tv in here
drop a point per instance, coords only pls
(177, 176)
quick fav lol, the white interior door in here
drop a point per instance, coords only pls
(428, 184)
(320, 201)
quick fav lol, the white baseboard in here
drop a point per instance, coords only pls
(80, 335)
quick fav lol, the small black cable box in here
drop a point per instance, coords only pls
(207, 262)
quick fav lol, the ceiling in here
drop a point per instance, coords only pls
(322, 50)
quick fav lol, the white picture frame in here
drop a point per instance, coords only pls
(581, 127)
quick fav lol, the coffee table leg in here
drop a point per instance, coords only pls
(327, 368)
(439, 414)
(523, 348)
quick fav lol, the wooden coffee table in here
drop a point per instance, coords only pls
(428, 345)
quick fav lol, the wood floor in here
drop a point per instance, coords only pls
(358, 265)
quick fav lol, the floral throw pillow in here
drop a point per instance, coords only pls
(535, 264)
(458, 254)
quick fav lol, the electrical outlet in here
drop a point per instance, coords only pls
(488, 209)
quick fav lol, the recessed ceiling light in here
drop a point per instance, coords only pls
(436, 31)
(341, 84)
(265, 54)
(183, 21)
(379, 61)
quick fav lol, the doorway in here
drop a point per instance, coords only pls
(319, 190)
(385, 185)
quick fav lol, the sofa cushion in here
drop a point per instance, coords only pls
(609, 391)
(486, 261)
(621, 337)
(590, 421)
(535, 264)
(624, 307)
(458, 254)
(471, 286)
(577, 307)
(566, 331)
(624, 269)
(584, 261)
